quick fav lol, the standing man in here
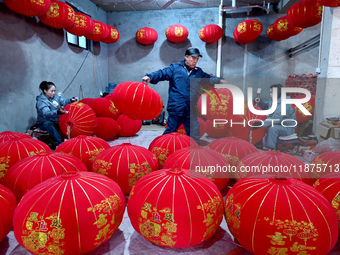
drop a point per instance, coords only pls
(180, 91)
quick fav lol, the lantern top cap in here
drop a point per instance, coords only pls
(193, 52)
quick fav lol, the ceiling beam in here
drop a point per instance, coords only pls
(284, 5)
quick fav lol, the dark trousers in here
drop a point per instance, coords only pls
(52, 129)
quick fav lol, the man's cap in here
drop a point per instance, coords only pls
(193, 52)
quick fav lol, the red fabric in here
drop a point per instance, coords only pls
(217, 131)
(125, 164)
(28, 7)
(104, 107)
(176, 33)
(86, 100)
(146, 36)
(171, 209)
(17, 149)
(247, 31)
(100, 32)
(107, 128)
(69, 214)
(86, 148)
(210, 33)
(203, 126)
(83, 25)
(282, 28)
(328, 162)
(80, 120)
(269, 215)
(127, 126)
(7, 205)
(137, 100)
(60, 15)
(28, 172)
(233, 149)
(329, 3)
(306, 13)
(9, 135)
(112, 37)
(310, 106)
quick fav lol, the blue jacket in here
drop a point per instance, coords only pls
(47, 108)
(180, 92)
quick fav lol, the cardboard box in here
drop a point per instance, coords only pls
(327, 130)
(309, 155)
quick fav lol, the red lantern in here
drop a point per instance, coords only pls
(137, 100)
(199, 160)
(176, 33)
(9, 135)
(107, 128)
(60, 15)
(125, 164)
(27, 173)
(233, 149)
(29, 7)
(83, 25)
(216, 130)
(86, 148)
(271, 215)
(100, 31)
(329, 3)
(80, 120)
(272, 35)
(310, 106)
(163, 146)
(326, 163)
(112, 37)
(7, 205)
(17, 149)
(86, 100)
(104, 107)
(247, 31)
(306, 13)
(203, 126)
(69, 214)
(146, 36)
(283, 29)
(211, 33)
(297, 30)
(127, 126)
(170, 209)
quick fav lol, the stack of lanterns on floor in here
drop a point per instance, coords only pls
(73, 199)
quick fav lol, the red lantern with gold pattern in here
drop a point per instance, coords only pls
(86, 148)
(146, 36)
(210, 33)
(83, 25)
(17, 149)
(272, 35)
(80, 120)
(106, 128)
(176, 33)
(127, 126)
(60, 15)
(163, 146)
(100, 31)
(310, 106)
(216, 130)
(112, 37)
(27, 173)
(9, 135)
(7, 205)
(326, 163)
(282, 28)
(125, 164)
(330, 3)
(247, 31)
(233, 149)
(137, 100)
(171, 209)
(69, 214)
(104, 107)
(29, 7)
(306, 13)
(268, 216)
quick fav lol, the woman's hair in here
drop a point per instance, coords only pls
(278, 86)
(46, 85)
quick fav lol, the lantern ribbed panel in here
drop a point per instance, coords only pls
(9, 135)
(29, 7)
(112, 37)
(60, 15)
(176, 33)
(326, 163)
(329, 3)
(306, 13)
(247, 31)
(83, 25)
(100, 32)
(210, 33)
(7, 205)
(146, 36)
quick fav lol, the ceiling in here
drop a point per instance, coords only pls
(145, 5)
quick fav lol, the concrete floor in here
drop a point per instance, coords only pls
(126, 240)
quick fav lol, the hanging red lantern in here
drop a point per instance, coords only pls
(104, 107)
(176, 33)
(83, 25)
(112, 37)
(283, 29)
(9, 135)
(329, 3)
(200, 160)
(100, 31)
(247, 31)
(137, 100)
(17, 149)
(60, 15)
(27, 173)
(106, 128)
(210, 33)
(80, 120)
(125, 164)
(289, 216)
(163, 146)
(326, 163)
(86, 148)
(233, 149)
(306, 13)
(29, 7)
(310, 106)
(272, 35)
(146, 36)
(171, 209)
(69, 214)
(296, 30)
(7, 205)
(128, 127)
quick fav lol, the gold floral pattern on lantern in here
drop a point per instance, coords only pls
(232, 213)
(137, 171)
(4, 166)
(53, 11)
